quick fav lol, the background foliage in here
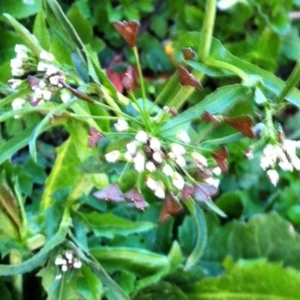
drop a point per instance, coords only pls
(48, 173)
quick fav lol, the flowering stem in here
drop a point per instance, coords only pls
(207, 30)
(17, 280)
(290, 83)
(136, 55)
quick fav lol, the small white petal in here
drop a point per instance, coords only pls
(151, 183)
(113, 156)
(212, 181)
(225, 4)
(42, 84)
(65, 96)
(17, 72)
(180, 161)
(58, 277)
(16, 63)
(217, 171)
(199, 159)
(60, 261)
(64, 268)
(20, 48)
(139, 161)
(273, 176)
(54, 80)
(142, 137)
(18, 103)
(155, 144)
(46, 56)
(167, 170)
(159, 191)
(128, 156)
(23, 56)
(77, 264)
(121, 125)
(183, 136)
(132, 147)
(150, 166)
(42, 67)
(52, 70)
(178, 181)
(177, 149)
(158, 156)
(47, 95)
(69, 255)
(14, 83)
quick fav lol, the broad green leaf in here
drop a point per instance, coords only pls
(40, 257)
(19, 8)
(248, 280)
(26, 36)
(139, 261)
(40, 30)
(199, 220)
(89, 286)
(4, 292)
(219, 101)
(109, 225)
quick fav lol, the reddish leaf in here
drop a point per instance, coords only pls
(116, 79)
(128, 30)
(188, 53)
(210, 118)
(187, 192)
(110, 193)
(137, 198)
(186, 78)
(170, 207)
(94, 137)
(129, 79)
(220, 157)
(243, 124)
(203, 191)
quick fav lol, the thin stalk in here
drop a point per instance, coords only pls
(23, 227)
(17, 280)
(207, 30)
(137, 59)
(290, 83)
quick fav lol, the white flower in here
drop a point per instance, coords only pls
(151, 183)
(42, 67)
(150, 166)
(158, 156)
(20, 48)
(225, 4)
(65, 96)
(199, 159)
(46, 56)
(60, 261)
(18, 103)
(183, 136)
(167, 170)
(142, 137)
(55, 80)
(217, 171)
(121, 125)
(128, 156)
(155, 144)
(178, 181)
(77, 264)
(139, 161)
(180, 161)
(132, 147)
(113, 156)
(159, 191)
(17, 72)
(64, 268)
(212, 181)
(16, 63)
(177, 149)
(69, 256)
(47, 95)
(52, 70)
(14, 83)
(42, 84)
(273, 176)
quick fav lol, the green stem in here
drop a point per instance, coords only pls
(137, 59)
(17, 280)
(207, 30)
(290, 83)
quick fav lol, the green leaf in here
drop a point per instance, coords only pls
(4, 292)
(39, 258)
(20, 9)
(109, 225)
(249, 280)
(24, 33)
(200, 222)
(219, 101)
(139, 261)
(41, 32)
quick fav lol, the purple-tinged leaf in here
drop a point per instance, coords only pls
(170, 207)
(187, 192)
(137, 198)
(110, 193)
(220, 156)
(94, 137)
(203, 191)
(188, 53)
(128, 30)
(186, 78)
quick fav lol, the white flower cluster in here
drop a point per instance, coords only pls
(148, 154)
(284, 155)
(43, 88)
(67, 261)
